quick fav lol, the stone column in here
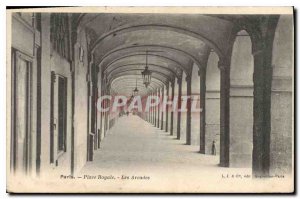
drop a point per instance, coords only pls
(104, 105)
(107, 112)
(155, 111)
(162, 111)
(147, 114)
(101, 116)
(261, 111)
(189, 116)
(150, 112)
(158, 109)
(179, 107)
(224, 113)
(202, 74)
(167, 109)
(106, 115)
(172, 111)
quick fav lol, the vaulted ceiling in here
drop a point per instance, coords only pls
(172, 42)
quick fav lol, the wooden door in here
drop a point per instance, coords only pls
(21, 113)
(58, 133)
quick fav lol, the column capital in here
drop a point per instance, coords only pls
(188, 78)
(172, 83)
(202, 72)
(223, 64)
(258, 46)
(179, 81)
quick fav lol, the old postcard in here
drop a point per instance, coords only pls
(150, 100)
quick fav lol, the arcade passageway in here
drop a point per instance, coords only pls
(135, 145)
(136, 148)
(238, 67)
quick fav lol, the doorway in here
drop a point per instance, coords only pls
(21, 113)
(58, 133)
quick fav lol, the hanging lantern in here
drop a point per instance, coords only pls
(135, 91)
(146, 74)
(146, 84)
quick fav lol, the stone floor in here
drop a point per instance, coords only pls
(136, 144)
(159, 162)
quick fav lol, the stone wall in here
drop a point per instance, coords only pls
(183, 113)
(25, 41)
(45, 93)
(81, 102)
(241, 102)
(195, 120)
(282, 116)
(212, 106)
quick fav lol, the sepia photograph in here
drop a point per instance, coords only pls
(150, 100)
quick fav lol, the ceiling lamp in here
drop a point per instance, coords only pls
(135, 91)
(146, 73)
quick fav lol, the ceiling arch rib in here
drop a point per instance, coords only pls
(134, 71)
(181, 59)
(171, 65)
(182, 38)
(206, 27)
(169, 41)
(132, 28)
(155, 81)
(152, 68)
(157, 76)
(128, 91)
(157, 47)
(126, 83)
(130, 83)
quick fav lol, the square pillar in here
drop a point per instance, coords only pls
(167, 109)
(162, 111)
(172, 112)
(189, 116)
(224, 114)
(179, 107)
(202, 74)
